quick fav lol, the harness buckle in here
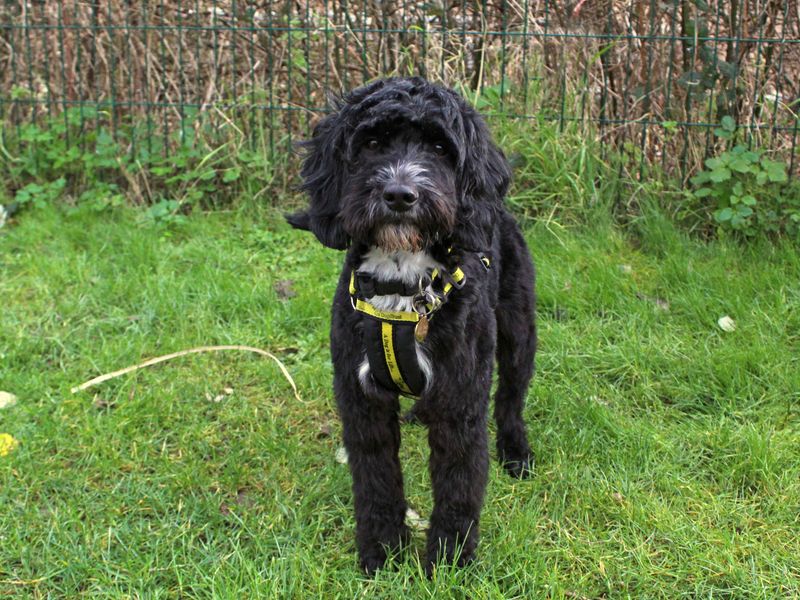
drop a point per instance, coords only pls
(457, 284)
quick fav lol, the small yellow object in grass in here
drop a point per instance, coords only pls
(7, 444)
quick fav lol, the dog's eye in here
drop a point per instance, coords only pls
(372, 144)
(439, 149)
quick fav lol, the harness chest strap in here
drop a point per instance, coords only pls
(391, 337)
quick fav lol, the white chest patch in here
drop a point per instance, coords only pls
(408, 267)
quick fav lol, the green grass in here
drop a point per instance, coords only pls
(668, 451)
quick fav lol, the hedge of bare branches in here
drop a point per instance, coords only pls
(653, 73)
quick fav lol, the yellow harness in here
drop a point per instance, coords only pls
(391, 337)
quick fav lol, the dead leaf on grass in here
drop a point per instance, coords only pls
(243, 499)
(284, 289)
(7, 399)
(414, 521)
(324, 431)
(726, 324)
(660, 303)
(101, 403)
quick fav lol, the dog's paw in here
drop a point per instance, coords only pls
(377, 555)
(372, 562)
(517, 461)
(448, 548)
(521, 468)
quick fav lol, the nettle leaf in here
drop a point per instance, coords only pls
(728, 124)
(749, 200)
(702, 192)
(751, 155)
(722, 134)
(776, 171)
(723, 215)
(738, 188)
(761, 177)
(740, 165)
(719, 175)
(700, 178)
(744, 211)
(716, 162)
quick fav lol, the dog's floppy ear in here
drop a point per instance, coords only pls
(322, 173)
(484, 177)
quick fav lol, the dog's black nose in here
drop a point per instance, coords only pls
(399, 197)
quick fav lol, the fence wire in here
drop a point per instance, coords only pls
(652, 79)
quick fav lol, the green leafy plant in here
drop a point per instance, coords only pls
(742, 189)
(74, 157)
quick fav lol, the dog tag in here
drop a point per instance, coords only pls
(421, 329)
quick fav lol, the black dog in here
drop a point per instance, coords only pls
(436, 281)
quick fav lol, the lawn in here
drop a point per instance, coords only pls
(667, 448)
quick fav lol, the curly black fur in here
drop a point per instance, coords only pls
(405, 168)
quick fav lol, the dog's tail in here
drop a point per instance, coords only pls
(299, 220)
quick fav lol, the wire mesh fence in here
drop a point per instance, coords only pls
(651, 79)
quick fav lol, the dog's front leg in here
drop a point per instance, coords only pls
(459, 465)
(371, 434)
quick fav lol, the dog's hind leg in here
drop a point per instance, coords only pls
(516, 348)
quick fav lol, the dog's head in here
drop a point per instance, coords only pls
(402, 164)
